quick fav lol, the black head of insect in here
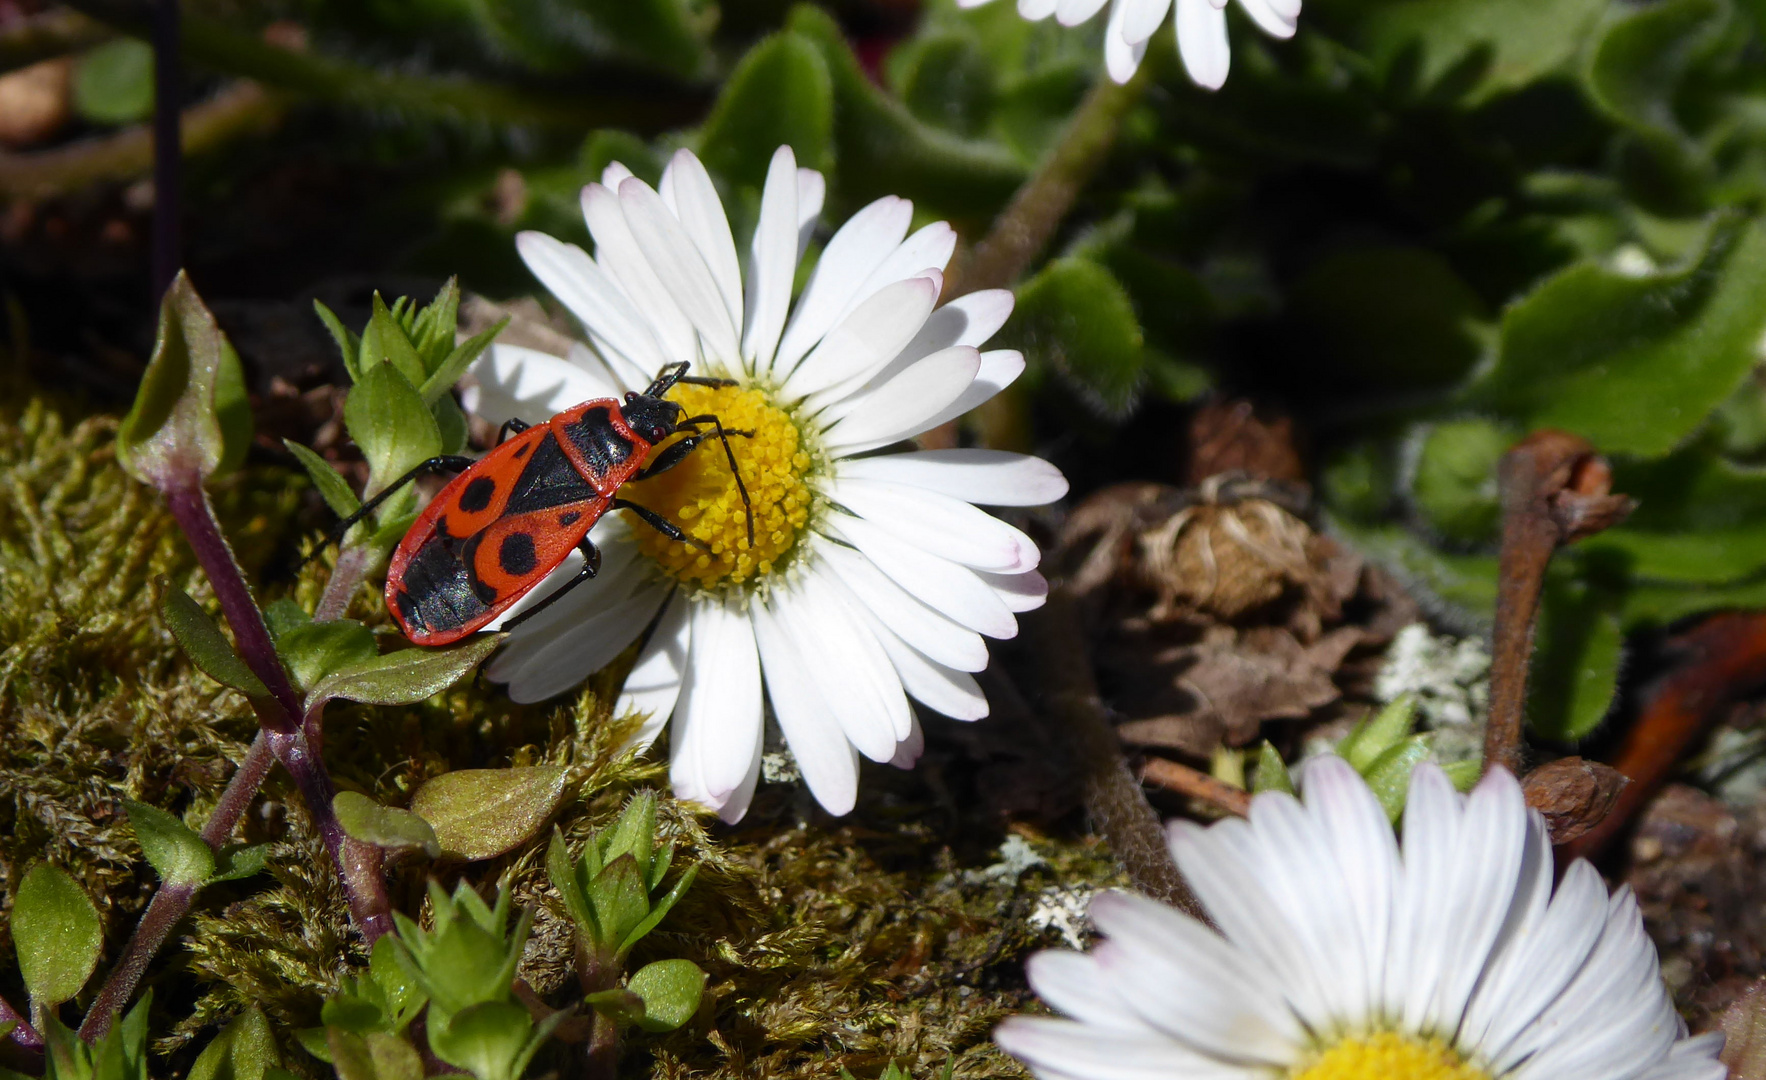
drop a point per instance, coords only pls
(651, 418)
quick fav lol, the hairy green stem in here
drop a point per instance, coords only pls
(1024, 227)
(346, 578)
(172, 902)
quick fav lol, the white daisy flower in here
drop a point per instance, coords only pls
(1201, 29)
(873, 577)
(1341, 956)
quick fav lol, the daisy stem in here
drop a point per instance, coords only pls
(1024, 227)
(1555, 490)
(1113, 797)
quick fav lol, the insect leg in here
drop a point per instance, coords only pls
(440, 463)
(677, 452)
(591, 567)
(659, 523)
(512, 426)
(667, 377)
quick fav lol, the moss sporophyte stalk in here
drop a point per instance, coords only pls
(700, 494)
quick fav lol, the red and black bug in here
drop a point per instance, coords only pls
(497, 529)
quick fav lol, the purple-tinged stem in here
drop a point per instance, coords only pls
(172, 902)
(346, 578)
(22, 1049)
(358, 864)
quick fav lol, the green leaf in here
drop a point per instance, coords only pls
(454, 364)
(1272, 772)
(1466, 581)
(384, 341)
(173, 848)
(320, 649)
(1640, 59)
(668, 34)
(1700, 519)
(353, 1013)
(1379, 733)
(1075, 317)
(1455, 481)
(491, 1040)
(113, 84)
(432, 329)
(481, 813)
(633, 833)
(1575, 669)
(391, 423)
(1463, 775)
(55, 930)
(946, 80)
(671, 991)
(330, 483)
(882, 149)
(619, 898)
(561, 869)
(383, 826)
(779, 95)
(348, 344)
(619, 1005)
(1635, 363)
(1389, 774)
(659, 910)
(376, 1056)
(406, 676)
(244, 1050)
(185, 424)
(1506, 44)
(201, 640)
(237, 862)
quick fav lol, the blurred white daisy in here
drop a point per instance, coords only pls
(1340, 957)
(1201, 29)
(872, 577)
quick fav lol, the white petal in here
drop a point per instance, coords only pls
(849, 667)
(568, 273)
(615, 174)
(702, 215)
(1224, 864)
(1287, 9)
(928, 248)
(1122, 54)
(561, 662)
(1268, 19)
(1072, 982)
(1425, 918)
(1202, 42)
(943, 585)
(680, 268)
(855, 250)
(607, 366)
(654, 685)
(870, 335)
(1140, 18)
(908, 751)
(827, 761)
(618, 252)
(999, 369)
(945, 690)
(1035, 10)
(903, 406)
(939, 524)
(772, 262)
(1362, 846)
(984, 477)
(1061, 1048)
(967, 320)
(1019, 592)
(717, 728)
(1487, 867)
(812, 189)
(966, 4)
(518, 383)
(1190, 983)
(1074, 12)
(619, 578)
(921, 627)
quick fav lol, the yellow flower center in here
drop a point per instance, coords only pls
(700, 494)
(1387, 1055)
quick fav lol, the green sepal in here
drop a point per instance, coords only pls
(384, 341)
(1377, 734)
(1388, 775)
(348, 343)
(448, 371)
(1272, 772)
(244, 1050)
(659, 910)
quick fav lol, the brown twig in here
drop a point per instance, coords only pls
(1174, 776)
(1555, 490)
(1724, 660)
(1118, 807)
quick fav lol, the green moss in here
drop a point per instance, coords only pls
(882, 937)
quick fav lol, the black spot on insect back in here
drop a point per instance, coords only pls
(516, 554)
(477, 494)
(569, 518)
